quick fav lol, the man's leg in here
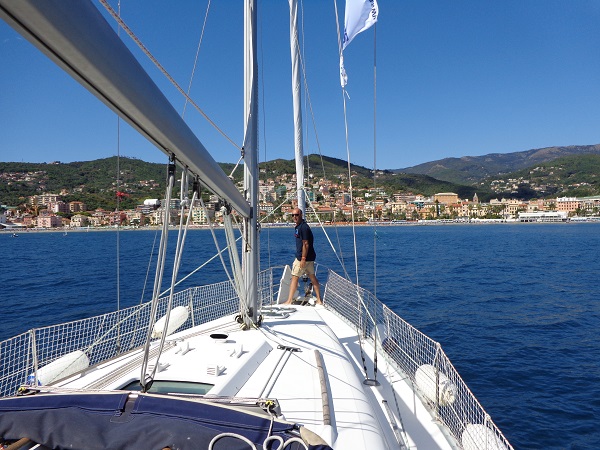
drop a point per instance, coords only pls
(293, 288)
(316, 287)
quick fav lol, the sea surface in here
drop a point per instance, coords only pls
(515, 306)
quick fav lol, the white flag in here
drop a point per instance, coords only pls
(360, 15)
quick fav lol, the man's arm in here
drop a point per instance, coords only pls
(304, 253)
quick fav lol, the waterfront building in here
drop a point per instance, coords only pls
(543, 216)
(76, 207)
(591, 204)
(135, 217)
(59, 207)
(405, 197)
(536, 205)
(43, 200)
(49, 221)
(446, 198)
(568, 204)
(79, 220)
(267, 207)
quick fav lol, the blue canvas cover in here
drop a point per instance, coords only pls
(116, 421)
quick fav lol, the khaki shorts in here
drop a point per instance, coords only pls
(309, 268)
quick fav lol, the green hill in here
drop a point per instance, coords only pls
(569, 176)
(95, 182)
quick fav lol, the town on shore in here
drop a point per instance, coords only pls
(326, 204)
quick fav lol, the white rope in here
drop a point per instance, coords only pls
(181, 236)
(179, 248)
(283, 444)
(360, 300)
(236, 166)
(233, 435)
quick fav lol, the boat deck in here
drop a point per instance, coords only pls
(289, 361)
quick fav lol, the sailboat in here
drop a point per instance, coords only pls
(222, 365)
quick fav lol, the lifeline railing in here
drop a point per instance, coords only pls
(110, 335)
(410, 351)
(419, 358)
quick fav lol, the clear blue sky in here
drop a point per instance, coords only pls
(454, 78)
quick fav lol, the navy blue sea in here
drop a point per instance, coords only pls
(515, 307)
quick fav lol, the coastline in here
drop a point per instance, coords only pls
(586, 220)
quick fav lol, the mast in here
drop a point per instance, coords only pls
(299, 151)
(251, 248)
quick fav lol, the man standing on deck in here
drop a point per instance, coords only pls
(304, 263)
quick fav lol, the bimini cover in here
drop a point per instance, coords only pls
(115, 421)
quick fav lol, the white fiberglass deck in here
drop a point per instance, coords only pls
(279, 361)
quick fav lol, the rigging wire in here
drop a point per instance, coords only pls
(264, 123)
(149, 266)
(118, 236)
(214, 236)
(132, 35)
(360, 300)
(303, 68)
(196, 59)
(118, 344)
(344, 94)
(309, 107)
(374, 187)
(160, 264)
(181, 235)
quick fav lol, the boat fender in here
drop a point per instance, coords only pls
(425, 377)
(380, 332)
(478, 436)
(178, 317)
(312, 438)
(63, 367)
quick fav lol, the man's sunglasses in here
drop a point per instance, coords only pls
(295, 215)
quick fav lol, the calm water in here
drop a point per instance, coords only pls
(514, 306)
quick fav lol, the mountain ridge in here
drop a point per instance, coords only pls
(472, 169)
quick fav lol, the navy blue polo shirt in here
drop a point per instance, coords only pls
(303, 233)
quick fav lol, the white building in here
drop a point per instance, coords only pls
(543, 216)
